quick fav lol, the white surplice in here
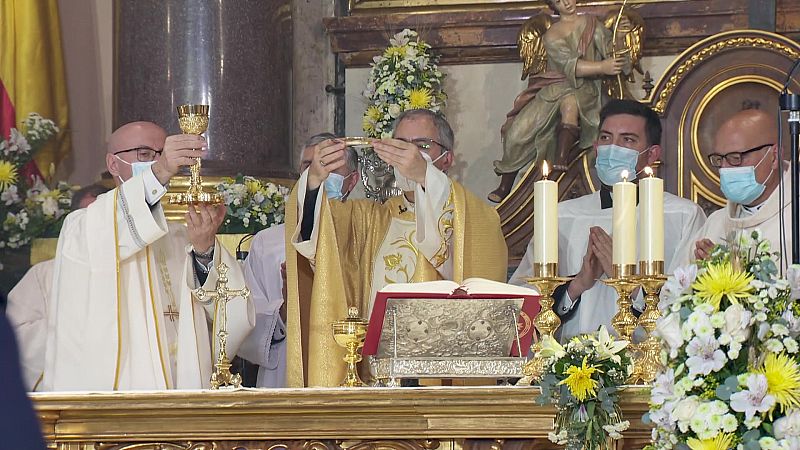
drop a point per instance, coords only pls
(25, 309)
(597, 305)
(417, 230)
(119, 267)
(734, 218)
(266, 344)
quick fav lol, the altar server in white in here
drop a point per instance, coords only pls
(746, 152)
(265, 273)
(27, 303)
(629, 138)
(122, 316)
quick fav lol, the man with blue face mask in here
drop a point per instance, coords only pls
(745, 152)
(628, 139)
(436, 230)
(121, 314)
(264, 270)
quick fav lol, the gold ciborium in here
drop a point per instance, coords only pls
(193, 119)
(350, 334)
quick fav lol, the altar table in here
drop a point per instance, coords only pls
(312, 419)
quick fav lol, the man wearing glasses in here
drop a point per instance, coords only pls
(122, 316)
(436, 230)
(746, 154)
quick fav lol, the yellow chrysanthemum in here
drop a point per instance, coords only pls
(580, 382)
(720, 280)
(8, 175)
(252, 186)
(783, 380)
(718, 442)
(400, 52)
(420, 98)
(374, 113)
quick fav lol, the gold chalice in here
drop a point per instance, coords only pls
(193, 119)
(350, 334)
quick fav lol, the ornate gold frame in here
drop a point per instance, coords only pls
(377, 6)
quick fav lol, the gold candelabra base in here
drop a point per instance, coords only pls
(648, 359)
(546, 280)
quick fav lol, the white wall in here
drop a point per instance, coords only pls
(479, 96)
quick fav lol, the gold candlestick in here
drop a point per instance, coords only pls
(651, 279)
(193, 119)
(222, 375)
(624, 322)
(350, 334)
(546, 280)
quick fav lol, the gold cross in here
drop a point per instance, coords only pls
(171, 313)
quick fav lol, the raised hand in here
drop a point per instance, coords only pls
(403, 156)
(202, 223)
(179, 150)
(603, 248)
(590, 271)
(328, 156)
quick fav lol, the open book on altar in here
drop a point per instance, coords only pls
(479, 318)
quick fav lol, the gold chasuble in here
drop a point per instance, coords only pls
(361, 246)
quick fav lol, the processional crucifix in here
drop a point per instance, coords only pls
(221, 295)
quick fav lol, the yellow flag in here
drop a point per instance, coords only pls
(32, 71)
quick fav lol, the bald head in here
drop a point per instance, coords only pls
(753, 134)
(131, 136)
(744, 130)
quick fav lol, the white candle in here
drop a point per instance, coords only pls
(624, 222)
(545, 219)
(651, 217)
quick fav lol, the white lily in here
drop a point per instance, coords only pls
(551, 348)
(607, 347)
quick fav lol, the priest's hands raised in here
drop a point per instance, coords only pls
(403, 156)
(328, 156)
(179, 150)
(702, 248)
(202, 223)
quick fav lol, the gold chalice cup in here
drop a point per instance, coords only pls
(350, 334)
(193, 119)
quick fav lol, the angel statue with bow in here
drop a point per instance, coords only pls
(566, 62)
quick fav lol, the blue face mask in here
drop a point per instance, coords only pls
(137, 168)
(334, 184)
(612, 159)
(739, 184)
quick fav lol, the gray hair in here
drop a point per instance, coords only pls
(351, 156)
(317, 138)
(446, 137)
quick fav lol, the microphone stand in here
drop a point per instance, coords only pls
(791, 102)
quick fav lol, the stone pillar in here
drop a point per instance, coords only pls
(313, 69)
(235, 56)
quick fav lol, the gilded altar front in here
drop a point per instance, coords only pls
(494, 417)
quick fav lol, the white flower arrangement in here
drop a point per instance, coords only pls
(730, 329)
(404, 77)
(252, 204)
(29, 208)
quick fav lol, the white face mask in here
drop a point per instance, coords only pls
(137, 168)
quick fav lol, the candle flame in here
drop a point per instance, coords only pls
(545, 169)
(624, 175)
(648, 171)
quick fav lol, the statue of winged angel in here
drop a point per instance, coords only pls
(566, 61)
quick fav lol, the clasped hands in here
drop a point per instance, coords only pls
(329, 155)
(597, 261)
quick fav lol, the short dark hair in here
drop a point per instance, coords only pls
(446, 137)
(552, 5)
(92, 190)
(652, 123)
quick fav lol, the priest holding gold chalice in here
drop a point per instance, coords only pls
(122, 314)
(341, 253)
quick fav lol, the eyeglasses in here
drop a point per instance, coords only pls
(143, 154)
(424, 144)
(733, 158)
